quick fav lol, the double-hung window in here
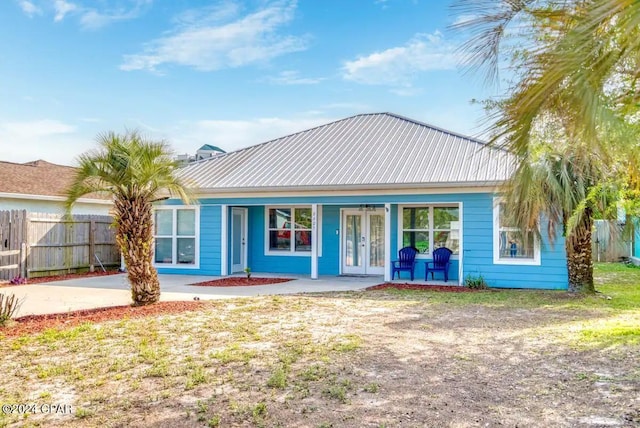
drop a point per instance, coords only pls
(289, 230)
(175, 236)
(509, 243)
(428, 227)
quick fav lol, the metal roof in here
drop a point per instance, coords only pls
(363, 151)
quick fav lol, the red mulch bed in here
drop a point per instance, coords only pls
(31, 324)
(62, 277)
(239, 281)
(406, 286)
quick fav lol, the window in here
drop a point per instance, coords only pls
(175, 236)
(289, 230)
(509, 242)
(429, 227)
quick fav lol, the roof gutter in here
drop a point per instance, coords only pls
(492, 185)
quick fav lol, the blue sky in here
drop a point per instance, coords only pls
(229, 73)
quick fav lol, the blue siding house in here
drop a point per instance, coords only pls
(343, 198)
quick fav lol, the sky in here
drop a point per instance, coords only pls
(230, 73)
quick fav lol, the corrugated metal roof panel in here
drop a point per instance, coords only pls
(367, 149)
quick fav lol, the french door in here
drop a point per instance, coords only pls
(362, 242)
(238, 239)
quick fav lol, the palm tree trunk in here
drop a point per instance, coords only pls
(135, 239)
(579, 258)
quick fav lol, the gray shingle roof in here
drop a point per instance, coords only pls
(367, 150)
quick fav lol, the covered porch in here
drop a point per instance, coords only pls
(337, 239)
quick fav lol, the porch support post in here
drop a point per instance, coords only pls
(387, 242)
(460, 245)
(314, 241)
(224, 240)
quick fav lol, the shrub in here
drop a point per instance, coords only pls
(475, 282)
(8, 307)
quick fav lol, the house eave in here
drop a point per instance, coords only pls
(453, 186)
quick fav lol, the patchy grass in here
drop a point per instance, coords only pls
(375, 358)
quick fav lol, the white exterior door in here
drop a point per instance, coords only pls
(238, 239)
(362, 242)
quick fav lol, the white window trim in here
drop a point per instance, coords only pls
(497, 260)
(174, 236)
(431, 206)
(291, 252)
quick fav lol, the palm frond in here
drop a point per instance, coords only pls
(126, 166)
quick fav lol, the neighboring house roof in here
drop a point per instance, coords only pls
(363, 151)
(38, 178)
(211, 148)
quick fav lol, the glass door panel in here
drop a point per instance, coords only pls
(376, 242)
(363, 243)
(352, 250)
(238, 239)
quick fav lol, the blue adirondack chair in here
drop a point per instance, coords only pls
(440, 263)
(406, 262)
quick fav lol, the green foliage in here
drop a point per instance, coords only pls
(572, 129)
(475, 282)
(338, 390)
(126, 166)
(278, 378)
(259, 413)
(372, 387)
(134, 172)
(348, 343)
(214, 421)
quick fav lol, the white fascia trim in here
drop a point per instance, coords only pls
(53, 198)
(340, 191)
(497, 260)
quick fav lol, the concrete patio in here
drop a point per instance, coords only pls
(113, 290)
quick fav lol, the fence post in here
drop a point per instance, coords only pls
(23, 260)
(27, 240)
(92, 244)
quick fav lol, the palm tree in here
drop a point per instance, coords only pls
(576, 72)
(135, 172)
(579, 58)
(563, 189)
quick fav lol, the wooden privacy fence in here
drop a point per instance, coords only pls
(609, 243)
(37, 244)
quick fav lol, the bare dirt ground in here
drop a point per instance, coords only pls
(369, 359)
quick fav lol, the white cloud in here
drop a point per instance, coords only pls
(90, 13)
(292, 77)
(208, 45)
(93, 19)
(215, 14)
(29, 8)
(232, 135)
(398, 66)
(48, 139)
(62, 8)
(36, 129)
